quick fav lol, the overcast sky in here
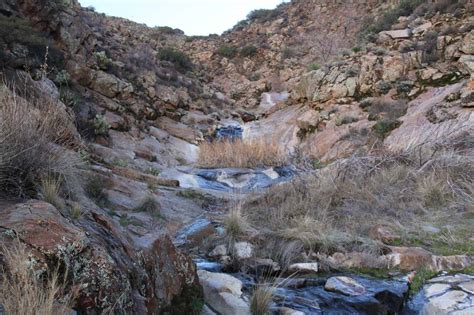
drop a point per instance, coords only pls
(194, 17)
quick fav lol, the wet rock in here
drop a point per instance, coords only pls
(307, 268)
(467, 287)
(223, 293)
(288, 311)
(207, 311)
(229, 132)
(344, 285)
(436, 289)
(196, 232)
(445, 303)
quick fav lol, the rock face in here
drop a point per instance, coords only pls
(105, 261)
(448, 294)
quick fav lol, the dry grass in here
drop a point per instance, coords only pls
(261, 300)
(33, 138)
(241, 153)
(51, 187)
(334, 209)
(22, 292)
(235, 223)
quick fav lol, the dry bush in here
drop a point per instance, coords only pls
(32, 141)
(334, 209)
(241, 153)
(23, 292)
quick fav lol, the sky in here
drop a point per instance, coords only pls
(194, 17)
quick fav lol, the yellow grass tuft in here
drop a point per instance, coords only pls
(23, 293)
(241, 153)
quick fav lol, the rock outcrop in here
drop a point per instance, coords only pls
(112, 271)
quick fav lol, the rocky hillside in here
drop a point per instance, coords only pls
(101, 121)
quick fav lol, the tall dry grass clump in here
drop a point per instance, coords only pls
(22, 292)
(261, 299)
(34, 138)
(241, 153)
(335, 208)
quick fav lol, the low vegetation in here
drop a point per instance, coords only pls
(335, 209)
(178, 58)
(227, 51)
(22, 291)
(241, 153)
(261, 300)
(34, 129)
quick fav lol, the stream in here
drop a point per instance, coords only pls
(304, 294)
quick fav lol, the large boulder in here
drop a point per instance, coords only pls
(223, 293)
(115, 273)
(110, 86)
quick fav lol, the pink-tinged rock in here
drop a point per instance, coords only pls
(398, 34)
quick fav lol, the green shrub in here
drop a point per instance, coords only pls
(103, 62)
(148, 205)
(94, 188)
(383, 127)
(227, 51)
(356, 49)
(313, 67)
(62, 78)
(345, 120)
(180, 59)
(249, 51)
(101, 126)
(429, 48)
(288, 53)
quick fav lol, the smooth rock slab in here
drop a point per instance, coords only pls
(468, 287)
(444, 303)
(344, 285)
(436, 289)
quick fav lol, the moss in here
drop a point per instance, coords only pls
(190, 301)
(383, 127)
(378, 273)
(422, 275)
